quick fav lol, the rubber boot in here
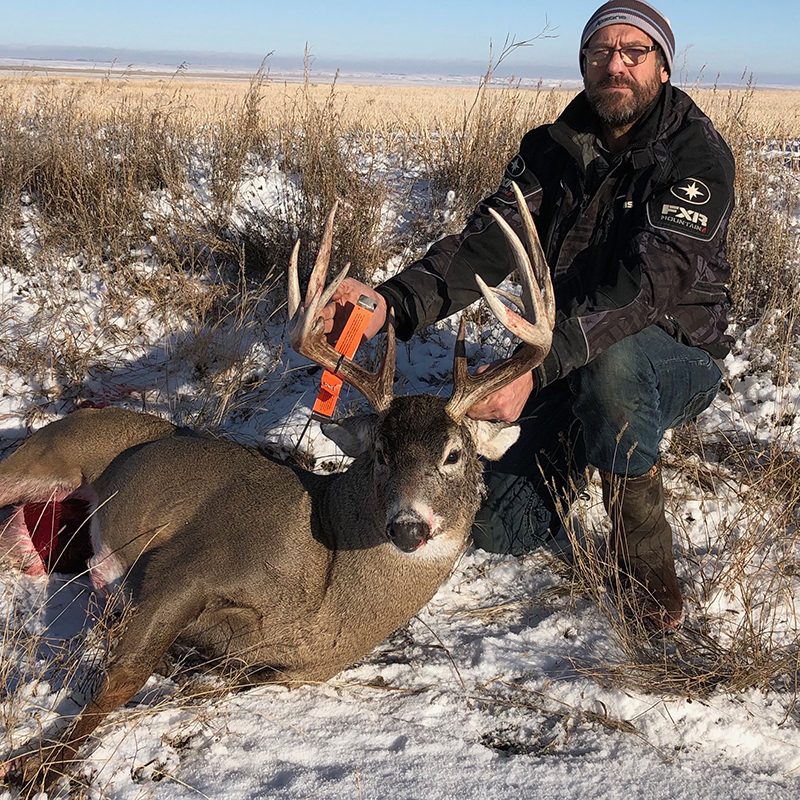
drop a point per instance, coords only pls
(641, 542)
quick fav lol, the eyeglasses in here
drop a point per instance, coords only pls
(631, 56)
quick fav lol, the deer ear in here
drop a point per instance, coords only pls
(492, 439)
(354, 436)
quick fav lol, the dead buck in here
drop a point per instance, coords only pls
(280, 574)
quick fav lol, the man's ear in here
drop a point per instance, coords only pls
(492, 439)
(353, 435)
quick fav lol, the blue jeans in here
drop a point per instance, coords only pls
(610, 414)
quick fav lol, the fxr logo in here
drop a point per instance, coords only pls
(679, 212)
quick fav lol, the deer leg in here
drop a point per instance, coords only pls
(39, 769)
(106, 569)
(153, 626)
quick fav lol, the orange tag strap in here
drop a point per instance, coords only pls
(346, 345)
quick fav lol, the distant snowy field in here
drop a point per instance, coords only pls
(17, 66)
(493, 691)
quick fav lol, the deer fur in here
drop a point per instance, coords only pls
(276, 573)
(273, 573)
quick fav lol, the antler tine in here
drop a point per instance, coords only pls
(535, 325)
(317, 280)
(461, 376)
(326, 296)
(535, 329)
(514, 299)
(534, 249)
(384, 380)
(307, 333)
(293, 294)
(314, 293)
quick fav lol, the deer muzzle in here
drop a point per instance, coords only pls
(408, 531)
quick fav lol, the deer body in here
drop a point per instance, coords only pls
(274, 573)
(262, 566)
(288, 571)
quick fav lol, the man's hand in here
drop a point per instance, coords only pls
(505, 404)
(335, 314)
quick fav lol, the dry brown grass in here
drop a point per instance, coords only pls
(99, 176)
(740, 578)
(376, 107)
(373, 107)
(763, 113)
(762, 129)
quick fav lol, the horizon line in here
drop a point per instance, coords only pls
(181, 59)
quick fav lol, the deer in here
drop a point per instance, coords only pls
(279, 574)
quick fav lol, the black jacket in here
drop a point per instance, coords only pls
(631, 240)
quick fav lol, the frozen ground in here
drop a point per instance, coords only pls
(487, 693)
(509, 684)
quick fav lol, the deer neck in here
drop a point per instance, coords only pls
(348, 514)
(372, 587)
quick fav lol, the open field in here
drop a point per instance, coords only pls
(772, 110)
(144, 231)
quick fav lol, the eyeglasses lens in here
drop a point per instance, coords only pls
(631, 56)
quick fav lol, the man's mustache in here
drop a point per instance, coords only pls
(612, 81)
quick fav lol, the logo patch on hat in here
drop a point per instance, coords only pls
(692, 191)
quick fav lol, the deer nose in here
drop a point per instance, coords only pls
(408, 532)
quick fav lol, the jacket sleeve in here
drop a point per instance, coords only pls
(442, 282)
(675, 258)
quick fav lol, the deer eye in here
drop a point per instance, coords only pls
(452, 457)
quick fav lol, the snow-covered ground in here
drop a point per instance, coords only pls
(509, 684)
(211, 72)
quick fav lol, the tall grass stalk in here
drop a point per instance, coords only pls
(120, 209)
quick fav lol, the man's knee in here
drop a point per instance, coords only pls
(616, 398)
(513, 518)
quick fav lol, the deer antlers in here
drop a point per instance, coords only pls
(308, 339)
(534, 325)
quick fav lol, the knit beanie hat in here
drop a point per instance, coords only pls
(637, 13)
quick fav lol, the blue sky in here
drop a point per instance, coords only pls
(728, 36)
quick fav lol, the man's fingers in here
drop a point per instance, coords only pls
(348, 291)
(334, 315)
(505, 404)
(484, 410)
(490, 407)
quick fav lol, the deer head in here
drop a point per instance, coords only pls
(421, 452)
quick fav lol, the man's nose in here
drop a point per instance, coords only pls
(615, 64)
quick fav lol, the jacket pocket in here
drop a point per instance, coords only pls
(705, 293)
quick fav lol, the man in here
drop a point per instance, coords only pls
(631, 190)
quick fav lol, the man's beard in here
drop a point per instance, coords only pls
(619, 110)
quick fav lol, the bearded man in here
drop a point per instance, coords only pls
(631, 189)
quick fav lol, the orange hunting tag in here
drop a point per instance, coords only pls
(346, 345)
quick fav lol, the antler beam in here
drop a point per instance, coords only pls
(534, 326)
(307, 335)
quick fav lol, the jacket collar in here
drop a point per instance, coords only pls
(576, 129)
